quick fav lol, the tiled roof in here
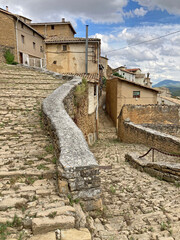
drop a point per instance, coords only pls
(54, 23)
(57, 39)
(174, 100)
(134, 83)
(133, 69)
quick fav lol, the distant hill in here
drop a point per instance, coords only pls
(174, 86)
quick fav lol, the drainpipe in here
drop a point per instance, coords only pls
(97, 107)
(17, 43)
(86, 49)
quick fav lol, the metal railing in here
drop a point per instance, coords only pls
(37, 62)
(155, 149)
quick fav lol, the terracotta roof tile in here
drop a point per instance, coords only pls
(57, 39)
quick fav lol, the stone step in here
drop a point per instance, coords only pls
(69, 234)
(46, 224)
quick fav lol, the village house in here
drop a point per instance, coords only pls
(62, 29)
(25, 43)
(67, 55)
(135, 75)
(120, 91)
(104, 63)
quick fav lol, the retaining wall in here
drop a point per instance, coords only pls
(77, 169)
(165, 171)
(171, 129)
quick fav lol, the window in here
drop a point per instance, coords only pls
(22, 38)
(34, 34)
(52, 27)
(64, 47)
(41, 49)
(55, 62)
(34, 45)
(22, 25)
(136, 94)
(95, 90)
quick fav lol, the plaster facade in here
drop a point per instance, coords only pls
(69, 56)
(120, 92)
(62, 29)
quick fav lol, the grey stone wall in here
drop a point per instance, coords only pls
(166, 171)
(171, 129)
(78, 171)
(133, 133)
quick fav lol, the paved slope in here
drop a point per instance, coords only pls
(137, 206)
(28, 196)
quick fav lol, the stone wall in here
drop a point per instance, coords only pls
(132, 133)
(157, 114)
(77, 169)
(171, 129)
(165, 171)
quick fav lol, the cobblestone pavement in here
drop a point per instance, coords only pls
(28, 196)
(136, 205)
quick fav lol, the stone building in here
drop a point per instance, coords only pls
(67, 55)
(135, 75)
(25, 43)
(62, 29)
(120, 91)
(104, 63)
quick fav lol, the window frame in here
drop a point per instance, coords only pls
(135, 95)
(64, 47)
(23, 39)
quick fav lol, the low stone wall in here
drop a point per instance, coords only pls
(78, 171)
(165, 171)
(132, 133)
(152, 114)
(171, 129)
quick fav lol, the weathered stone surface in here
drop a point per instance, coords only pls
(12, 202)
(80, 217)
(66, 210)
(81, 234)
(42, 225)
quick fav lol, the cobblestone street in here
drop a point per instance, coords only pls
(136, 205)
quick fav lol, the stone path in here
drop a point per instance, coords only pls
(136, 205)
(28, 195)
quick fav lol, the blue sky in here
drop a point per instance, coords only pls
(119, 23)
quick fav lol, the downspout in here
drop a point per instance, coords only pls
(86, 49)
(17, 43)
(97, 94)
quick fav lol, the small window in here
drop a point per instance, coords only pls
(22, 25)
(34, 45)
(34, 34)
(55, 62)
(41, 49)
(22, 38)
(52, 27)
(95, 93)
(64, 47)
(136, 94)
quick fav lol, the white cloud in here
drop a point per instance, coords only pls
(138, 12)
(160, 57)
(42, 10)
(171, 6)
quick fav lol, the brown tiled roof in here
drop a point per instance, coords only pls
(174, 100)
(57, 39)
(133, 69)
(134, 83)
(54, 23)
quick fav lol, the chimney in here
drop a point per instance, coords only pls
(63, 19)
(7, 8)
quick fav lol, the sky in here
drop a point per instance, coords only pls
(122, 26)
